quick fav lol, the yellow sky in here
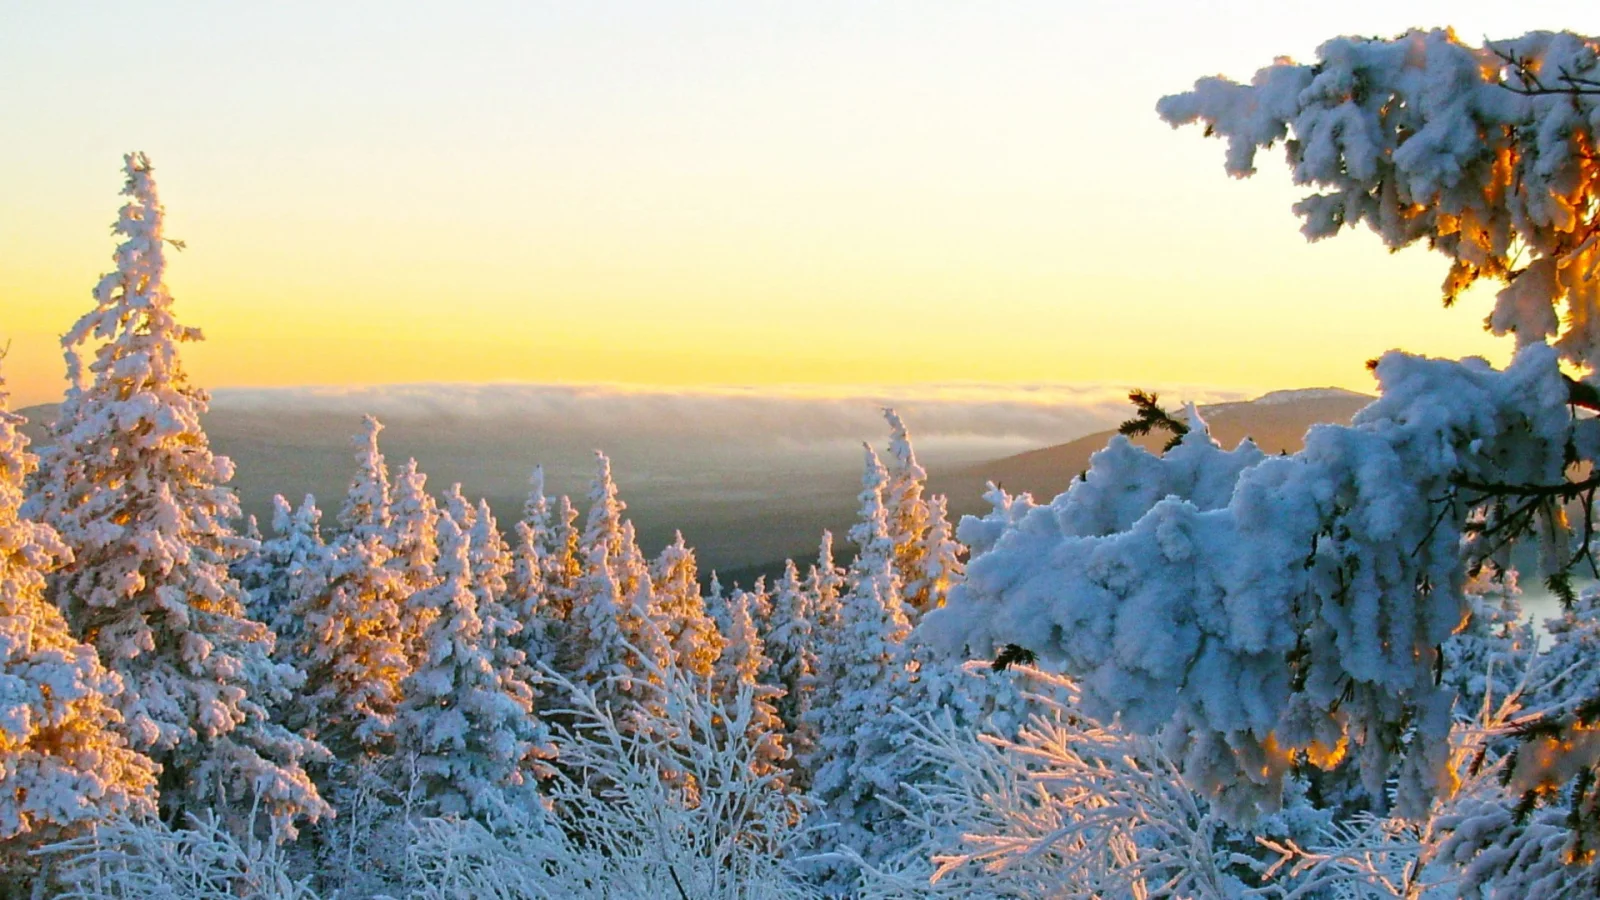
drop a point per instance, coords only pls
(708, 193)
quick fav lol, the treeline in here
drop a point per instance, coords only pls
(411, 652)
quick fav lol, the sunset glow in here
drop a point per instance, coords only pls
(668, 195)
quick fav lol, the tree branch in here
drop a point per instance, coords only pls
(1566, 490)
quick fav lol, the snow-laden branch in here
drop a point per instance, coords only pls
(1257, 611)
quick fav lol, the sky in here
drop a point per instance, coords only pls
(700, 193)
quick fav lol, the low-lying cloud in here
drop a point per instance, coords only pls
(1030, 414)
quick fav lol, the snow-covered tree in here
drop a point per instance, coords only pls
(295, 564)
(63, 763)
(1484, 153)
(723, 831)
(738, 671)
(604, 524)
(491, 564)
(789, 641)
(351, 644)
(613, 646)
(909, 516)
(413, 546)
(1485, 660)
(469, 724)
(942, 566)
(529, 602)
(691, 634)
(132, 487)
(366, 510)
(458, 507)
(1255, 609)
(537, 543)
(980, 533)
(540, 586)
(825, 583)
(858, 668)
(1068, 807)
(564, 565)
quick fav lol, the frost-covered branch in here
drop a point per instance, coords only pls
(719, 825)
(1257, 611)
(142, 859)
(1069, 808)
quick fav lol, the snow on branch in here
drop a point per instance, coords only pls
(1256, 613)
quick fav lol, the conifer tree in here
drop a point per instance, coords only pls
(691, 634)
(131, 485)
(536, 544)
(296, 563)
(825, 582)
(63, 764)
(859, 668)
(604, 524)
(594, 652)
(739, 668)
(942, 568)
(366, 510)
(468, 723)
(490, 558)
(564, 565)
(617, 645)
(251, 568)
(458, 507)
(790, 647)
(645, 620)
(414, 549)
(351, 646)
(491, 564)
(531, 594)
(760, 599)
(909, 516)
(529, 601)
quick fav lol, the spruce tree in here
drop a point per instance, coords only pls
(824, 584)
(295, 563)
(458, 507)
(909, 516)
(859, 667)
(564, 563)
(790, 646)
(131, 485)
(531, 594)
(414, 550)
(942, 567)
(615, 646)
(350, 645)
(63, 763)
(466, 722)
(491, 564)
(691, 634)
(738, 669)
(366, 510)
(644, 617)
(604, 524)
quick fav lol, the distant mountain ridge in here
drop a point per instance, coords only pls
(1277, 422)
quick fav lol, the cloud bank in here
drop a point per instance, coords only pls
(1008, 414)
